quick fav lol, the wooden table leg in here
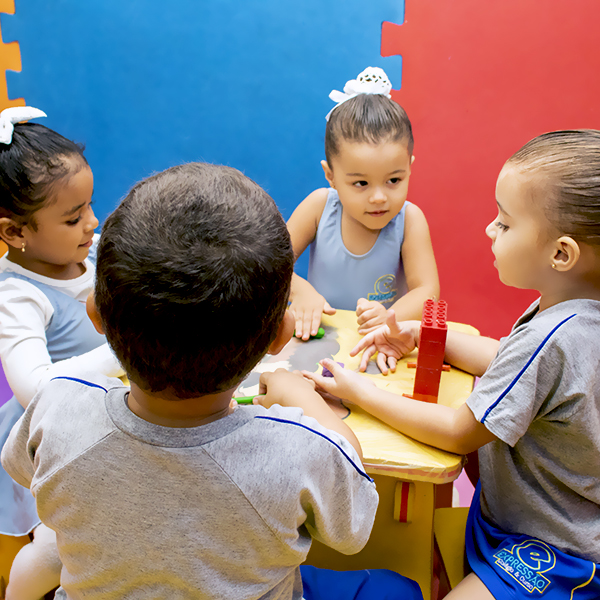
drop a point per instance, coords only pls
(406, 548)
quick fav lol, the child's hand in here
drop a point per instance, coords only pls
(307, 307)
(344, 384)
(370, 315)
(392, 341)
(286, 389)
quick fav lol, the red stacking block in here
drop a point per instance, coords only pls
(432, 345)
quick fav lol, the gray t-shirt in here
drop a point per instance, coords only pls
(224, 510)
(541, 398)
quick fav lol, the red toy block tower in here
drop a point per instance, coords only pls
(432, 344)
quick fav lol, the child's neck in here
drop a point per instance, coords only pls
(168, 411)
(357, 238)
(52, 271)
(580, 288)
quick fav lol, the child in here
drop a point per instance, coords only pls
(370, 249)
(48, 223)
(168, 489)
(534, 526)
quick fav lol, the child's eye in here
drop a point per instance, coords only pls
(501, 226)
(77, 219)
(395, 180)
(360, 184)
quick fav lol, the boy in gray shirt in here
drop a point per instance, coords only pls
(168, 489)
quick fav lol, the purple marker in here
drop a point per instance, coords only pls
(327, 373)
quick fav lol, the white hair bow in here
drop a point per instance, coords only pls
(372, 80)
(16, 114)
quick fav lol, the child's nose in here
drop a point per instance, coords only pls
(92, 221)
(378, 195)
(490, 230)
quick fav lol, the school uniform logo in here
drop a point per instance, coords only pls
(385, 290)
(525, 563)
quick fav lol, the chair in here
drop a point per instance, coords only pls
(449, 526)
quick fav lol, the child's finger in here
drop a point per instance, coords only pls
(392, 362)
(361, 305)
(298, 326)
(382, 363)
(362, 344)
(367, 316)
(263, 382)
(306, 325)
(365, 329)
(324, 383)
(392, 323)
(366, 357)
(328, 309)
(316, 321)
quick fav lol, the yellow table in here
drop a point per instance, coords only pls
(405, 471)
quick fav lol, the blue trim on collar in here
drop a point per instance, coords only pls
(531, 359)
(88, 383)
(360, 471)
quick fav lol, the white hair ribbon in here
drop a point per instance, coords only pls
(372, 80)
(16, 114)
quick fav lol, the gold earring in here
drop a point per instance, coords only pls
(553, 266)
(23, 247)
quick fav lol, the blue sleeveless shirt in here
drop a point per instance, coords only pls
(342, 277)
(69, 333)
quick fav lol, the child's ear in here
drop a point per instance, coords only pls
(328, 173)
(11, 233)
(284, 333)
(566, 254)
(92, 312)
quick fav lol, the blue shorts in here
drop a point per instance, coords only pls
(518, 566)
(323, 584)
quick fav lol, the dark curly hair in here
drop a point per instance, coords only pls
(193, 278)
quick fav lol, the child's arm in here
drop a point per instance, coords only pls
(23, 346)
(434, 424)
(288, 389)
(307, 305)
(420, 271)
(471, 353)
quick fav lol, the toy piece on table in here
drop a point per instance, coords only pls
(245, 399)
(432, 345)
(320, 334)
(327, 373)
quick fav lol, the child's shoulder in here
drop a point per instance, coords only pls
(414, 215)
(317, 199)
(569, 321)
(18, 290)
(312, 441)
(305, 220)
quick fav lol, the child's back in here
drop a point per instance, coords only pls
(224, 510)
(165, 490)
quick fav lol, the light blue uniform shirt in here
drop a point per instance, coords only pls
(69, 333)
(342, 277)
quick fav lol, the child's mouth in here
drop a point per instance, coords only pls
(377, 213)
(86, 245)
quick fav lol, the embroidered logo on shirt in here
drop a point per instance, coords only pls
(526, 562)
(385, 289)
